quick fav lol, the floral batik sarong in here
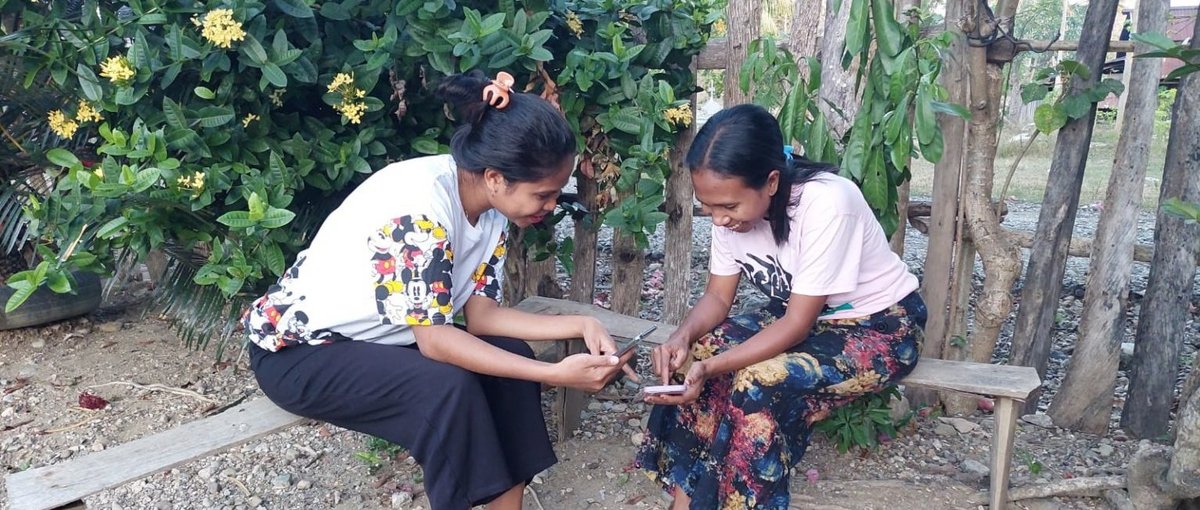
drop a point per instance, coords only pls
(733, 447)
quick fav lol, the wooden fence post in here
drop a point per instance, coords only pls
(677, 261)
(744, 19)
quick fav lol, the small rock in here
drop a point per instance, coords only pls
(595, 406)
(400, 499)
(636, 438)
(110, 327)
(1104, 450)
(205, 473)
(945, 430)
(254, 502)
(1126, 353)
(8, 412)
(303, 485)
(620, 408)
(98, 446)
(963, 426)
(899, 409)
(634, 423)
(282, 481)
(974, 467)
(1039, 420)
(213, 487)
(37, 343)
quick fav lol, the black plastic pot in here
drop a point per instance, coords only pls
(46, 305)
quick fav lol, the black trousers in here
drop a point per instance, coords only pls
(475, 436)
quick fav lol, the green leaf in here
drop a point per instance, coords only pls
(857, 27)
(214, 116)
(1031, 92)
(254, 49)
(335, 11)
(1155, 39)
(926, 120)
(62, 157)
(236, 219)
(956, 110)
(273, 257)
(89, 84)
(1189, 211)
(275, 217)
(295, 8)
(275, 75)
(173, 114)
(425, 145)
(854, 160)
(887, 30)
(1076, 107)
(112, 227)
(57, 281)
(875, 181)
(18, 297)
(145, 179)
(1075, 68)
(204, 93)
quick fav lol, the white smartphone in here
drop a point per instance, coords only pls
(667, 389)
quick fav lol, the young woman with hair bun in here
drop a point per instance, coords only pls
(360, 332)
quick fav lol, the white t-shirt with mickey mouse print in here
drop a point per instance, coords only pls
(398, 252)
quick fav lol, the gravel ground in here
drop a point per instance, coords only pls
(44, 370)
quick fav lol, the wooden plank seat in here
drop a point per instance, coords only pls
(1009, 385)
(66, 484)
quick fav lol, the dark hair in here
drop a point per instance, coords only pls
(745, 141)
(525, 141)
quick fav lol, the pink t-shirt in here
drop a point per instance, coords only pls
(836, 248)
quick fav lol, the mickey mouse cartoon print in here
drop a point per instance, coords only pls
(412, 262)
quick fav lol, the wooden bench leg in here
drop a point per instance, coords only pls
(570, 402)
(1002, 447)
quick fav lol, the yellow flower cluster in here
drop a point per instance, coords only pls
(220, 28)
(61, 125)
(65, 127)
(86, 113)
(117, 69)
(679, 116)
(718, 27)
(250, 117)
(194, 183)
(351, 107)
(277, 97)
(574, 23)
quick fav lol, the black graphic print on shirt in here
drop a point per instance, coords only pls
(769, 277)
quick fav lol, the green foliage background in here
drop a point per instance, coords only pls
(256, 124)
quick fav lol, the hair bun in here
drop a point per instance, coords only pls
(464, 93)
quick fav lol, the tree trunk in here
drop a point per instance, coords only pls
(516, 268)
(583, 279)
(1048, 257)
(1085, 400)
(1127, 69)
(837, 84)
(1184, 475)
(628, 265)
(1191, 385)
(999, 254)
(1162, 326)
(744, 18)
(806, 21)
(944, 239)
(677, 264)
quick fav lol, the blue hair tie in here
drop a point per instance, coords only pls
(787, 151)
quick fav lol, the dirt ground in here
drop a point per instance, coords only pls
(152, 384)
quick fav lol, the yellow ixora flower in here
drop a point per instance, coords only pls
(718, 27)
(277, 97)
(87, 113)
(219, 27)
(250, 117)
(61, 125)
(194, 183)
(117, 69)
(574, 24)
(351, 109)
(679, 116)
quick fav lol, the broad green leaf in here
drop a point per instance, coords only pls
(1189, 211)
(857, 27)
(1076, 107)
(18, 297)
(89, 84)
(295, 8)
(956, 110)
(887, 29)
(425, 145)
(112, 227)
(273, 257)
(236, 219)
(62, 157)
(925, 119)
(1031, 92)
(1075, 68)
(254, 49)
(275, 75)
(854, 160)
(57, 281)
(173, 114)
(1155, 39)
(145, 179)
(214, 116)
(275, 217)
(204, 93)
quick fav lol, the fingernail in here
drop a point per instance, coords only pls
(613, 360)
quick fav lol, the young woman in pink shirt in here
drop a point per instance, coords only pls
(843, 320)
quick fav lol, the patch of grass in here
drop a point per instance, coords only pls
(1029, 179)
(378, 452)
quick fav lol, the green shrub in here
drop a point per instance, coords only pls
(861, 422)
(224, 132)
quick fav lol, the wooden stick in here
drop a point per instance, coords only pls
(159, 387)
(1086, 487)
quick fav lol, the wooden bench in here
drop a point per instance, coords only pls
(64, 485)
(1009, 385)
